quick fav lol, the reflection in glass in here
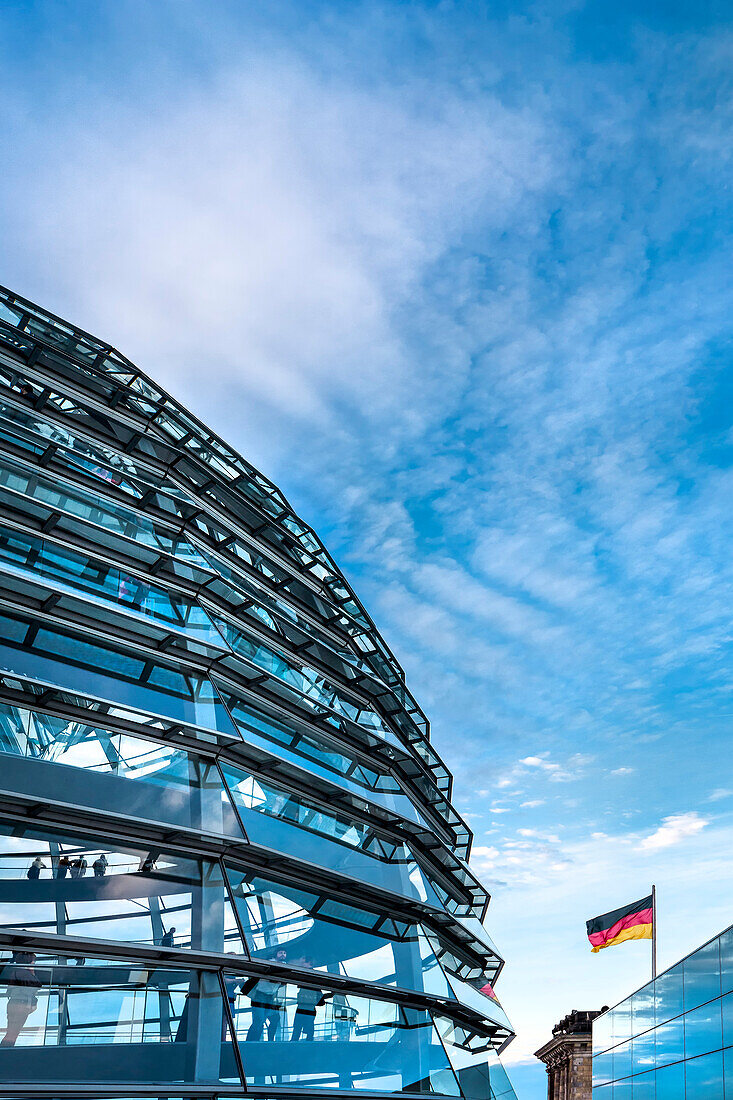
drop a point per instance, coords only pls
(480, 1074)
(703, 1030)
(704, 1077)
(310, 684)
(726, 961)
(668, 994)
(88, 507)
(276, 817)
(702, 975)
(123, 1022)
(73, 886)
(333, 1039)
(74, 662)
(317, 932)
(670, 1082)
(35, 557)
(186, 788)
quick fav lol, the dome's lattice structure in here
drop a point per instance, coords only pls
(229, 862)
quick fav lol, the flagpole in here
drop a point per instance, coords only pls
(654, 932)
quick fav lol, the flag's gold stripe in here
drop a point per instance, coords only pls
(637, 932)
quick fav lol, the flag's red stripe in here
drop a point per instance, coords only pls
(644, 916)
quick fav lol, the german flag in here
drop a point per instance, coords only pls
(632, 922)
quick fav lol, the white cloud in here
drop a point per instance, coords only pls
(675, 828)
(550, 838)
(623, 771)
(539, 762)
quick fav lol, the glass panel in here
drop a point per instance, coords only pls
(671, 1082)
(704, 1077)
(317, 932)
(668, 994)
(173, 784)
(702, 976)
(728, 1072)
(602, 1068)
(643, 1087)
(71, 885)
(255, 725)
(275, 817)
(480, 1074)
(56, 658)
(670, 1041)
(37, 695)
(487, 1006)
(621, 1022)
(112, 1021)
(642, 1010)
(91, 508)
(27, 555)
(333, 1039)
(310, 684)
(644, 1049)
(602, 1032)
(703, 1030)
(622, 1060)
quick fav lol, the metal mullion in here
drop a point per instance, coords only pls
(226, 1008)
(232, 801)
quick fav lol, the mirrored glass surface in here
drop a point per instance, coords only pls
(726, 961)
(703, 1029)
(643, 1010)
(668, 994)
(481, 1076)
(670, 1041)
(602, 1033)
(120, 1021)
(316, 931)
(75, 885)
(702, 975)
(602, 1068)
(726, 1006)
(670, 1082)
(90, 666)
(623, 1063)
(643, 1051)
(314, 1037)
(704, 1077)
(643, 1087)
(117, 771)
(280, 819)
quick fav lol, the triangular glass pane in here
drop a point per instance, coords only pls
(480, 1073)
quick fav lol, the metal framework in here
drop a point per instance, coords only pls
(229, 862)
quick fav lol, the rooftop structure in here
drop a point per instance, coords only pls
(568, 1057)
(229, 860)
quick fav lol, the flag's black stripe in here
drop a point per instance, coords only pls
(607, 920)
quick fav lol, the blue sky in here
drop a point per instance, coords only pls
(457, 277)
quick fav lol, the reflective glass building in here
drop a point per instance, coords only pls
(229, 861)
(673, 1039)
